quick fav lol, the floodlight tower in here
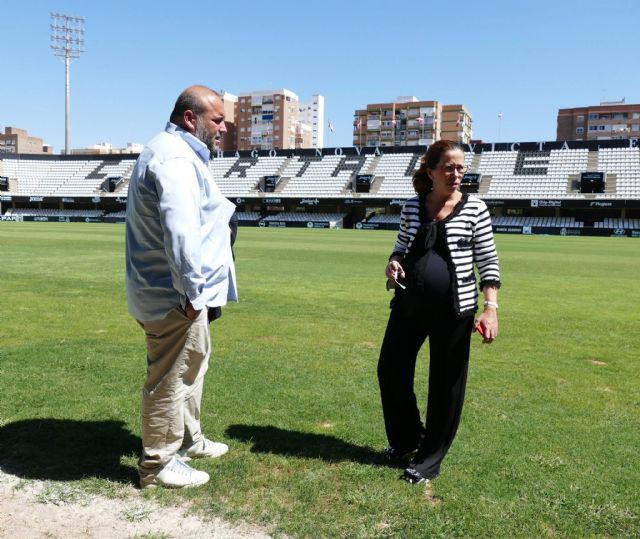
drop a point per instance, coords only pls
(67, 41)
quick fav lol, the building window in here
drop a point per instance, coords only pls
(580, 119)
(579, 130)
(593, 116)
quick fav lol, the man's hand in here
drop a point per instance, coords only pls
(191, 313)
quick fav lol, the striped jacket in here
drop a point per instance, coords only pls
(470, 240)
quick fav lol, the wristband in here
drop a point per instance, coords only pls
(491, 304)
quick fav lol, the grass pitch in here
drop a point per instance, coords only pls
(548, 444)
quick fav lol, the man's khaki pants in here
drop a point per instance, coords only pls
(178, 351)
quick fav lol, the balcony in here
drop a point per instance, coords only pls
(373, 125)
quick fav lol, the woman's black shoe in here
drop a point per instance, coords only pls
(393, 455)
(413, 476)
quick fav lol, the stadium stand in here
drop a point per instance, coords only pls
(506, 174)
(384, 218)
(617, 223)
(396, 172)
(531, 174)
(42, 178)
(241, 176)
(552, 222)
(35, 212)
(624, 163)
(248, 216)
(37, 177)
(315, 177)
(532, 185)
(121, 213)
(334, 219)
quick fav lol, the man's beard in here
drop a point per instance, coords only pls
(203, 135)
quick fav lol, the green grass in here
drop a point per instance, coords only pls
(548, 444)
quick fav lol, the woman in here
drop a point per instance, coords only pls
(442, 234)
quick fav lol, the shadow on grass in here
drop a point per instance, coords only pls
(269, 439)
(67, 450)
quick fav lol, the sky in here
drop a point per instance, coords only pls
(522, 59)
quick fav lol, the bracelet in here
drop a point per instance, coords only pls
(491, 304)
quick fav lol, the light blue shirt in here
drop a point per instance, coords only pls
(178, 242)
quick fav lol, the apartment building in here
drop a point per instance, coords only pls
(229, 140)
(456, 124)
(408, 121)
(304, 136)
(311, 113)
(609, 120)
(270, 119)
(16, 140)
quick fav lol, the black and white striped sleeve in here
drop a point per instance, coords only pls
(409, 224)
(484, 249)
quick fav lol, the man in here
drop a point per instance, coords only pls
(179, 264)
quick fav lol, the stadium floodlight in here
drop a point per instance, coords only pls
(67, 42)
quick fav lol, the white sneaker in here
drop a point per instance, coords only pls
(204, 448)
(177, 474)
